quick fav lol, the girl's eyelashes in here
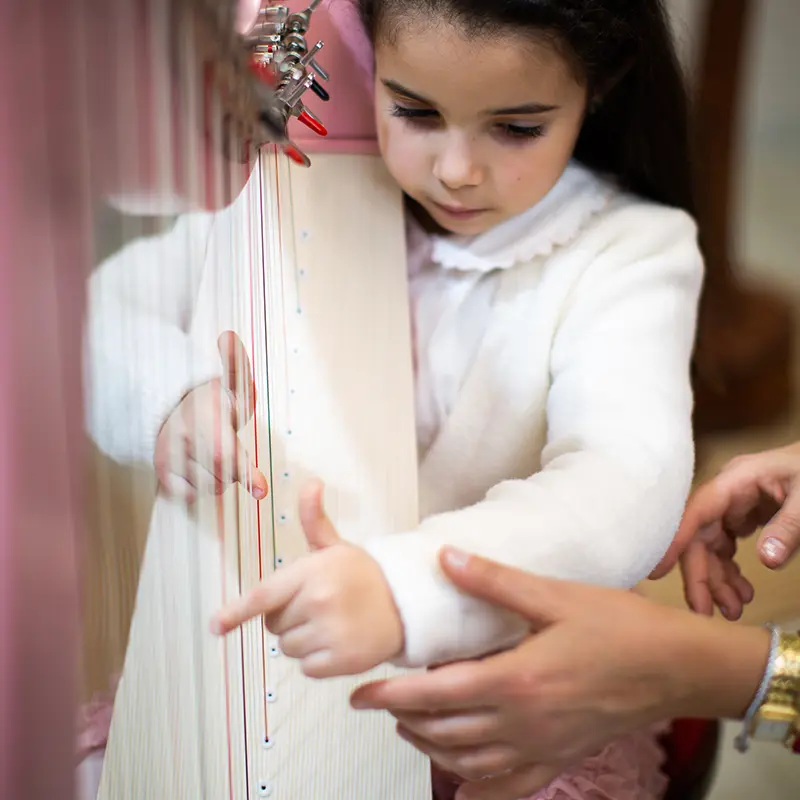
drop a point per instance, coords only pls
(522, 131)
(426, 117)
(413, 114)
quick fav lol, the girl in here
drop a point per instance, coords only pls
(554, 279)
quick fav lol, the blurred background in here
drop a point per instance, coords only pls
(763, 237)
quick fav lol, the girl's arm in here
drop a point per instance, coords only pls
(618, 462)
(140, 359)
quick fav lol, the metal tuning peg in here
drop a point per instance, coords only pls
(318, 69)
(310, 120)
(297, 155)
(318, 90)
(284, 62)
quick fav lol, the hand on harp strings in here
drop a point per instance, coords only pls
(198, 448)
(332, 609)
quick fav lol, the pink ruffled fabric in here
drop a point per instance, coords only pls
(94, 721)
(628, 769)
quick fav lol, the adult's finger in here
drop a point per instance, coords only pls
(541, 601)
(780, 538)
(451, 729)
(696, 584)
(451, 687)
(470, 763)
(743, 588)
(721, 574)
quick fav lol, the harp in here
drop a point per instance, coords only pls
(305, 266)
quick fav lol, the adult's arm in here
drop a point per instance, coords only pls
(600, 663)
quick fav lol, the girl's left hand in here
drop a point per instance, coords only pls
(332, 609)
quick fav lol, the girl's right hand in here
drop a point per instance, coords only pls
(198, 449)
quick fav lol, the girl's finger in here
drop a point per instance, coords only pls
(320, 665)
(300, 642)
(197, 476)
(177, 487)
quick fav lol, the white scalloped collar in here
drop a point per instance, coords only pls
(553, 222)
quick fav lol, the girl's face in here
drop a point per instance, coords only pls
(475, 130)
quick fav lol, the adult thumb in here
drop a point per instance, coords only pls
(319, 530)
(541, 601)
(780, 538)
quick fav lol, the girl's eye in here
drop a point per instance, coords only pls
(521, 131)
(415, 116)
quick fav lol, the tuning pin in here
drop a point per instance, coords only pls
(291, 92)
(281, 12)
(309, 53)
(265, 30)
(262, 70)
(298, 156)
(311, 121)
(318, 69)
(318, 90)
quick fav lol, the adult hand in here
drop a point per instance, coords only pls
(751, 491)
(600, 663)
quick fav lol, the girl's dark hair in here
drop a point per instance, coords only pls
(639, 131)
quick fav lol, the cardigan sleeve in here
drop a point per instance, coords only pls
(619, 457)
(139, 357)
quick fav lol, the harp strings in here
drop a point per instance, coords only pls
(181, 150)
(255, 259)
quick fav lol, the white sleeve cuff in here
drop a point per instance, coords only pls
(132, 389)
(441, 623)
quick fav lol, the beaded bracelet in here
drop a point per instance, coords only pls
(774, 714)
(742, 741)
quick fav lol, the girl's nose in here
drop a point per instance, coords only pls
(456, 166)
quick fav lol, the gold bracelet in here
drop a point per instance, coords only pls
(777, 718)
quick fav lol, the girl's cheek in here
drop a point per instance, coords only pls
(404, 154)
(523, 177)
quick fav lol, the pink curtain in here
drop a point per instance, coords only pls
(347, 57)
(44, 254)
